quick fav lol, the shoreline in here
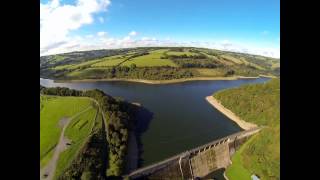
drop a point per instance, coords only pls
(243, 124)
(145, 81)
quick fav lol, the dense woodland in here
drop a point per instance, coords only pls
(193, 61)
(91, 160)
(119, 116)
(259, 104)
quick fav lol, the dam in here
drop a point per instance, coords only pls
(198, 162)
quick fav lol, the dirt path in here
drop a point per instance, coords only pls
(48, 171)
(243, 124)
(103, 117)
(61, 146)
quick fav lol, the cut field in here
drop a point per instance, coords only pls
(77, 132)
(275, 65)
(232, 59)
(206, 72)
(102, 62)
(87, 73)
(220, 60)
(110, 61)
(178, 53)
(150, 60)
(52, 110)
(76, 66)
(58, 58)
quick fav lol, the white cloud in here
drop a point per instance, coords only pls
(57, 21)
(148, 39)
(101, 33)
(127, 38)
(133, 33)
(145, 38)
(244, 48)
(89, 36)
(101, 19)
(225, 41)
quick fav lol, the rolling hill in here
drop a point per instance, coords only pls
(155, 63)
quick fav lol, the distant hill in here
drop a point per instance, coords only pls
(155, 63)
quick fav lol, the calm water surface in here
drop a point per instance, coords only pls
(180, 119)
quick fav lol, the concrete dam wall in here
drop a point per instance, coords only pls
(197, 162)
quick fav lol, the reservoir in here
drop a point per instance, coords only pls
(178, 116)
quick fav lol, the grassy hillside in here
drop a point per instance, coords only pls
(77, 132)
(152, 59)
(259, 104)
(161, 63)
(52, 110)
(97, 137)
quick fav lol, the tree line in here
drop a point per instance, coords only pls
(193, 61)
(126, 72)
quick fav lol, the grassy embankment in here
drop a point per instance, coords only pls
(258, 104)
(52, 110)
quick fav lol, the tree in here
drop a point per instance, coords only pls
(133, 66)
(86, 175)
(230, 72)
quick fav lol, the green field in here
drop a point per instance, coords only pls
(110, 61)
(177, 53)
(77, 132)
(233, 59)
(58, 58)
(259, 104)
(150, 60)
(275, 65)
(86, 72)
(237, 170)
(206, 72)
(52, 109)
(77, 66)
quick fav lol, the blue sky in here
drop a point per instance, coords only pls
(253, 25)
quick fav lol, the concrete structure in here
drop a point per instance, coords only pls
(197, 162)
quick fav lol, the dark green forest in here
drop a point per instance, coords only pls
(258, 104)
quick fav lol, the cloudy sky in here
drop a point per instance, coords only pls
(251, 26)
